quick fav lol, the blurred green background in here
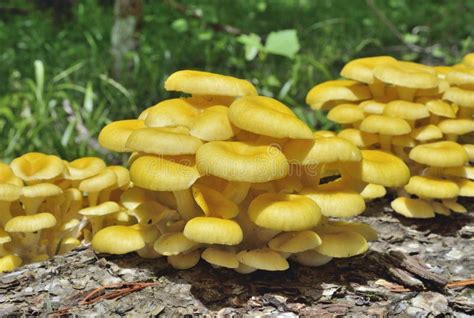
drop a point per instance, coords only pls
(69, 67)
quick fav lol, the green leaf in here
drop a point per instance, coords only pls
(252, 44)
(180, 25)
(284, 42)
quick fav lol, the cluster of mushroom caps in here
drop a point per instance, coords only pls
(234, 178)
(45, 204)
(420, 113)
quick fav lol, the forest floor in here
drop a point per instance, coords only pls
(408, 272)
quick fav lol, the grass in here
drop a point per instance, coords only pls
(56, 89)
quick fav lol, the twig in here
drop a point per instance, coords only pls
(461, 283)
(122, 289)
(198, 15)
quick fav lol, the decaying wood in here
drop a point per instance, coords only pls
(405, 273)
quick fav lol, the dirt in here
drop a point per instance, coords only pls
(404, 274)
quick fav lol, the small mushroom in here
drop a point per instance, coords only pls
(211, 230)
(36, 167)
(413, 208)
(323, 96)
(219, 257)
(96, 214)
(114, 136)
(118, 239)
(264, 259)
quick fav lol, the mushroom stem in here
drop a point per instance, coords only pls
(451, 137)
(406, 93)
(93, 198)
(104, 195)
(31, 205)
(5, 213)
(310, 174)
(464, 112)
(434, 119)
(236, 191)
(30, 242)
(3, 250)
(400, 152)
(385, 143)
(96, 224)
(185, 204)
(377, 88)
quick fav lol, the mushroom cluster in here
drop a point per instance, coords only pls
(43, 202)
(420, 113)
(234, 178)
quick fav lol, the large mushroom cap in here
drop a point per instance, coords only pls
(413, 208)
(336, 200)
(343, 243)
(37, 166)
(385, 125)
(267, 116)
(431, 187)
(264, 258)
(41, 190)
(406, 110)
(204, 83)
(321, 150)
(381, 168)
(406, 74)
(176, 112)
(440, 154)
(462, 97)
(162, 141)
(220, 257)
(456, 126)
(362, 69)
(117, 239)
(239, 161)
(103, 180)
(30, 223)
(159, 174)
(114, 136)
(345, 90)
(284, 212)
(211, 230)
(213, 124)
(83, 168)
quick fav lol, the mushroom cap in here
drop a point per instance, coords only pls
(456, 126)
(468, 59)
(176, 112)
(161, 141)
(460, 77)
(83, 168)
(284, 212)
(173, 244)
(220, 257)
(295, 242)
(406, 110)
(439, 154)
(362, 69)
(35, 166)
(431, 187)
(343, 243)
(184, 260)
(40, 190)
(413, 208)
(372, 107)
(462, 97)
(240, 161)
(264, 259)
(346, 114)
(373, 191)
(359, 138)
(117, 239)
(462, 172)
(384, 125)
(403, 141)
(454, 206)
(105, 179)
(267, 116)
(466, 187)
(214, 203)
(336, 200)
(311, 258)
(211, 230)
(381, 168)
(213, 124)
(159, 174)
(321, 150)
(114, 136)
(9, 192)
(102, 209)
(30, 223)
(152, 212)
(406, 74)
(338, 90)
(122, 174)
(427, 132)
(440, 108)
(9, 263)
(363, 229)
(205, 83)
(133, 197)
(469, 150)
(4, 237)
(7, 176)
